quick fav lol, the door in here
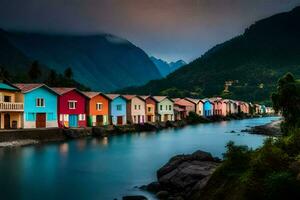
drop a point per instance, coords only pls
(99, 120)
(6, 121)
(73, 121)
(149, 118)
(120, 120)
(41, 120)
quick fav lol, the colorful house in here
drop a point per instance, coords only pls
(40, 106)
(11, 106)
(182, 108)
(136, 109)
(97, 109)
(231, 107)
(151, 109)
(198, 105)
(118, 109)
(165, 108)
(243, 107)
(208, 108)
(71, 107)
(220, 106)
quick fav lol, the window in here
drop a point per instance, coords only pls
(81, 117)
(134, 118)
(119, 107)
(60, 117)
(160, 107)
(99, 106)
(139, 107)
(40, 102)
(149, 109)
(170, 107)
(7, 98)
(72, 104)
(135, 107)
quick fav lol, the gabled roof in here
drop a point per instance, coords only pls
(161, 98)
(149, 96)
(64, 90)
(182, 102)
(93, 94)
(114, 96)
(207, 100)
(6, 85)
(28, 87)
(130, 97)
(195, 101)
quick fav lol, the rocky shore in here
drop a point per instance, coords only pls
(270, 129)
(182, 175)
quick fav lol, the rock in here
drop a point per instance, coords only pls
(232, 131)
(153, 187)
(162, 194)
(185, 173)
(135, 197)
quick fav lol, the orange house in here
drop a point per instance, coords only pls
(97, 109)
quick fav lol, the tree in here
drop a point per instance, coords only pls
(68, 73)
(34, 72)
(52, 78)
(4, 74)
(286, 100)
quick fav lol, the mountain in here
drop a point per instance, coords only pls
(102, 62)
(246, 67)
(165, 67)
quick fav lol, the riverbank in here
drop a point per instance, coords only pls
(270, 129)
(24, 137)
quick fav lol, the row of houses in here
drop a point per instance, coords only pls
(40, 106)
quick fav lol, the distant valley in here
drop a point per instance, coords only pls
(165, 68)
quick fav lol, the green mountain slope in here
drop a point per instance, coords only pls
(102, 62)
(249, 64)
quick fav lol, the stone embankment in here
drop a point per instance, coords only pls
(182, 175)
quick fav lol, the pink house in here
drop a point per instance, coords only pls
(182, 108)
(71, 107)
(219, 106)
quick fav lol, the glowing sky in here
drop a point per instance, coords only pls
(168, 29)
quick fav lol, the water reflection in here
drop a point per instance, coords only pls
(64, 149)
(104, 141)
(81, 144)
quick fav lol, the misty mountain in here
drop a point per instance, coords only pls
(248, 65)
(102, 62)
(165, 67)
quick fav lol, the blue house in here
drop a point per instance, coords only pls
(208, 108)
(40, 106)
(118, 110)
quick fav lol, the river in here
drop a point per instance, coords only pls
(108, 168)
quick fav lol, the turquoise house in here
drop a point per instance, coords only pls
(208, 108)
(40, 106)
(118, 110)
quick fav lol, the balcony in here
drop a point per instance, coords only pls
(11, 107)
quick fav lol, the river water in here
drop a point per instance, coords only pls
(108, 168)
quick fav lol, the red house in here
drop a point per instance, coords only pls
(71, 107)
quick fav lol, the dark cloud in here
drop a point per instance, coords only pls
(169, 29)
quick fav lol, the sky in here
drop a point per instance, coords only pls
(167, 29)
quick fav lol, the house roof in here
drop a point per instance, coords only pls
(6, 85)
(161, 98)
(182, 102)
(130, 97)
(28, 87)
(148, 96)
(113, 96)
(195, 101)
(93, 94)
(62, 90)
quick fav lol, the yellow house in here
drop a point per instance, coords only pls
(11, 106)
